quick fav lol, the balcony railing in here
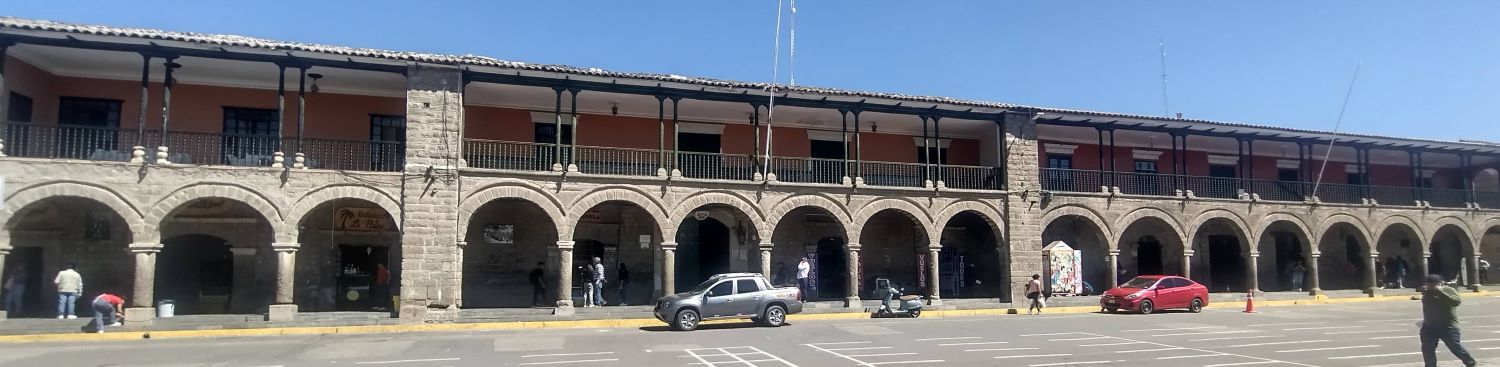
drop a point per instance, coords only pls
(808, 170)
(892, 174)
(115, 144)
(1229, 188)
(716, 166)
(972, 177)
(618, 161)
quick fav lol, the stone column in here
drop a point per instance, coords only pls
(1253, 284)
(458, 296)
(933, 295)
(564, 277)
(143, 292)
(765, 259)
(285, 307)
(1313, 286)
(669, 267)
(3, 251)
(429, 281)
(1371, 284)
(852, 300)
(1187, 264)
(1114, 272)
(1473, 271)
(1421, 271)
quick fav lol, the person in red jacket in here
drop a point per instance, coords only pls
(108, 310)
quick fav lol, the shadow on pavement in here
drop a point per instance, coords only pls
(714, 326)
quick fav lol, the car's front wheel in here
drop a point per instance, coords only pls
(1147, 307)
(1197, 306)
(775, 316)
(686, 320)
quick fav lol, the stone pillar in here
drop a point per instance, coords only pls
(458, 295)
(765, 259)
(3, 251)
(285, 307)
(1421, 270)
(1187, 264)
(242, 288)
(143, 292)
(1371, 283)
(933, 294)
(852, 289)
(1114, 272)
(1473, 271)
(431, 274)
(1313, 286)
(1254, 272)
(1022, 202)
(564, 276)
(668, 267)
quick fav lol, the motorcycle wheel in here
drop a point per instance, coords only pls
(915, 313)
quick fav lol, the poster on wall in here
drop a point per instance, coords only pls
(499, 233)
(361, 220)
(1064, 268)
(812, 272)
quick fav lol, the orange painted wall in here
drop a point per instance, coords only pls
(199, 108)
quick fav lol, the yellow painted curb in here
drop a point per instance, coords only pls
(619, 323)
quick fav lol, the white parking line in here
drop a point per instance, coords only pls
(952, 338)
(738, 353)
(997, 349)
(1287, 324)
(1150, 350)
(1210, 333)
(1074, 363)
(1033, 356)
(1273, 343)
(1479, 340)
(1377, 355)
(881, 354)
(1242, 363)
(1173, 329)
(835, 352)
(565, 354)
(971, 343)
(1052, 334)
(856, 348)
(1489, 348)
(1077, 339)
(1323, 328)
(1193, 356)
(906, 362)
(1328, 348)
(1269, 360)
(1365, 332)
(574, 361)
(409, 361)
(1393, 337)
(1242, 337)
(1108, 344)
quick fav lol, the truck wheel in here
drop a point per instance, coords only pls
(775, 316)
(686, 320)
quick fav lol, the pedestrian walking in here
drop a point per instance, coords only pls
(1034, 293)
(1440, 321)
(538, 283)
(109, 309)
(585, 275)
(1298, 273)
(597, 267)
(382, 287)
(1401, 268)
(15, 290)
(804, 269)
(69, 286)
(622, 275)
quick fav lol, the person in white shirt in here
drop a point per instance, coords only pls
(69, 286)
(803, 271)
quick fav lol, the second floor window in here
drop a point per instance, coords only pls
(1221, 171)
(1059, 161)
(91, 112)
(824, 149)
(1145, 166)
(387, 128)
(1287, 175)
(249, 136)
(240, 121)
(547, 134)
(19, 109)
(939, 155)
(1354, 179)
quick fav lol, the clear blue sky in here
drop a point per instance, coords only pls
(1431, 69)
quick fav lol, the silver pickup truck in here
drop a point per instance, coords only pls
(729, 296)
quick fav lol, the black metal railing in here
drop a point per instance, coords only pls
(1279, 190)
(1134, 183)
(1340, 193)
(892, 174)
(496, 154)
(971, 177)
(115, 144)
(1487, 199)
(1387, 195)
(717, 166)
(1212, 187)
(1229, 188)
(1446, 198)
(618, 161)
(808, 170)
(69, 142)
(1057, 179)
(348, 155)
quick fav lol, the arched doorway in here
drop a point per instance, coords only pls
(1087, 237)
(620, 234)
(1343, 258)
(893, 242)
(1400, 247)
(1220, 252)
(51, 233)
(197, 272)
(1489, 251)
(208, 241)
(815, 233)
(1284, 249)
(713, 239)
(1149, 246)
(349, 259)
(970, 264)
(1450, 248)
(506, 239)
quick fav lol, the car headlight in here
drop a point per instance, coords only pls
(1133, 296)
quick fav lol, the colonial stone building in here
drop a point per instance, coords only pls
(237, 175)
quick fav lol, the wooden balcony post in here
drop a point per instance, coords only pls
(572, 165)
(557, 130)
(661, 135)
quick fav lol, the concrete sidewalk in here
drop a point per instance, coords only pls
(186, 326)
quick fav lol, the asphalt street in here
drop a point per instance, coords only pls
(1362, 334)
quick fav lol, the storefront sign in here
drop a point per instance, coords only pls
(361, 219)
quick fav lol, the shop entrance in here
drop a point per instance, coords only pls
(364, 281)
(1148, 256)
(1225, 263)
(27, 263)
(196, 272)
(831, 269)
(702, 251)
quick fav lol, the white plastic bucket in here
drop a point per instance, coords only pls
(165, 309)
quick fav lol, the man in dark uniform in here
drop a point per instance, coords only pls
(1440, 321)
(538, 284)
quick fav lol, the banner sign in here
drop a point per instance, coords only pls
(361, 219)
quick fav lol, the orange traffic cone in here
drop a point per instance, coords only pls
(1250, 301)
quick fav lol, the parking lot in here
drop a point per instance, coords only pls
(1368, 334)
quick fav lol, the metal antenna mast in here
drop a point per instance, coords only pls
(1165, 107)
(1340, 121)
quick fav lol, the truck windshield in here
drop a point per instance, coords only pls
(703, 287)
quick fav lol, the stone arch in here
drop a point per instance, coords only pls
(916, 212)
(787, 205)
(325, 194)
(1304, 233)
(261, 203)
(1359, 225)
(103, 195)
(1445, 221)
(627, 194)
(1081, 212)
(1397, 219)
(514, 190)
(746, 206)
(1144, 212)
(989, 213)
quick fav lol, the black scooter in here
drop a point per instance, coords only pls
(893, 303)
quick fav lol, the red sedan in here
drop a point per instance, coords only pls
(1148, 293)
